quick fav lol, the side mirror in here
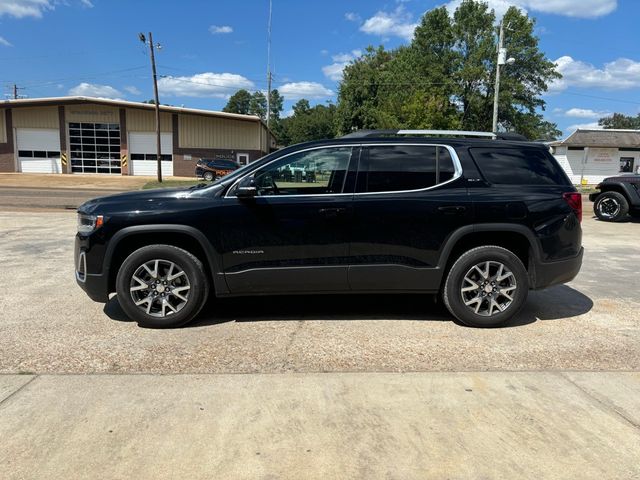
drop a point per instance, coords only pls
(246, 188)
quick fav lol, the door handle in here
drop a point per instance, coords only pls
(453, 210)
(332, 212)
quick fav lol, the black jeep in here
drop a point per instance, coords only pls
(479, 221)
(618, 196)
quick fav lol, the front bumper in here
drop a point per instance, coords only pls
(593, 196)
(95, 285)
(554, 273)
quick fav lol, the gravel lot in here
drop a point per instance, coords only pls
(48, 325)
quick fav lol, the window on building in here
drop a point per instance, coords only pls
(395, 168)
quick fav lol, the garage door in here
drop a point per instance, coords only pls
(142, 149)
(39, 150)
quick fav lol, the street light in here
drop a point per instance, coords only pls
(502, 60)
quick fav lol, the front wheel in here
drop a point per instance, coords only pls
(486, 287)
(208, 176)
(161, 286)
(611, 206)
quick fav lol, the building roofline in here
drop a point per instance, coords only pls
(26, 102)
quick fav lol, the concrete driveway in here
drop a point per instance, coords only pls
(332, 387)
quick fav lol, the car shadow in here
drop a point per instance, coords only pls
(627, 219)
(555, 303)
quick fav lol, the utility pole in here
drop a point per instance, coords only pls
(496, 92)
(152, 48)
(14, 93)
(269, 65)
(501, 60)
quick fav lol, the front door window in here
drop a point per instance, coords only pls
(320, 171)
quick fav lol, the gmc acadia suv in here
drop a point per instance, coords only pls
(479, 221)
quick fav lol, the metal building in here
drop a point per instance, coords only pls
(113, 137)
(590, 155)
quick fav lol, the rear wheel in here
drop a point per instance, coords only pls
(208, 176)
(611, 206)
(161, 286)
(486, 287)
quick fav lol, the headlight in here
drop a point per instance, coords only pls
(89, 223)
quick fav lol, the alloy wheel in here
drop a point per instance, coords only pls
(609, 207)
(159, 288)
(488, 288)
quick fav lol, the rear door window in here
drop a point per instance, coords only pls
(396, 168)
(519, 166)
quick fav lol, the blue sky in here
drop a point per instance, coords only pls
(212, 48)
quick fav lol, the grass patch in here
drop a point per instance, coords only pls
(171, 184)
(587, 189)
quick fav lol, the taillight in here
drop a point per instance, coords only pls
(574, 199)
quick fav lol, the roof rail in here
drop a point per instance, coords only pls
(440, 133)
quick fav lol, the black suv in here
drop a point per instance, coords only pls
(617, 196)
(212, 169)
(478, 220)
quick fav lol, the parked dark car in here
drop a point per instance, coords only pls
(618, 196)
(212, 169)
(479, 221)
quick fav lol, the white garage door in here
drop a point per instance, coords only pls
(39, 150)
(142, 151)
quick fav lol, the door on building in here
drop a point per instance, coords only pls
(269, 241)
(242, 158)
(95, 147)
(142, 150)
(38, 150)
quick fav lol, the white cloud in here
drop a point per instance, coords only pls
(585, 113)
(132, 90)
(352, 17)
(308, 90)
(86, 3)
(592, 126)
(25, 8)
(207, 84)
(220, 29)
(5, 42)
(95, 90)
(398, 23)
(569, 8)
(341, 60)
(620, 74)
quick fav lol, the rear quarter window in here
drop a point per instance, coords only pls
(519, 166)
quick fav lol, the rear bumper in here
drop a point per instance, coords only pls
(554, 273)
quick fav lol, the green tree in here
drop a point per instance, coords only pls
(239, 102)
(619, 120)
(308, 123)
(445, 78)
(258, 105)
(275, 105)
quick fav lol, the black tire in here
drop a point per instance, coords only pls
(196, 280)
(611, 206)
(208, 176)
(454, 297)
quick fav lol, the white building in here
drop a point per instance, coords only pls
(590, 155)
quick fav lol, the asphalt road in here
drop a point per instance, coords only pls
(47, 198)
(48, 325)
